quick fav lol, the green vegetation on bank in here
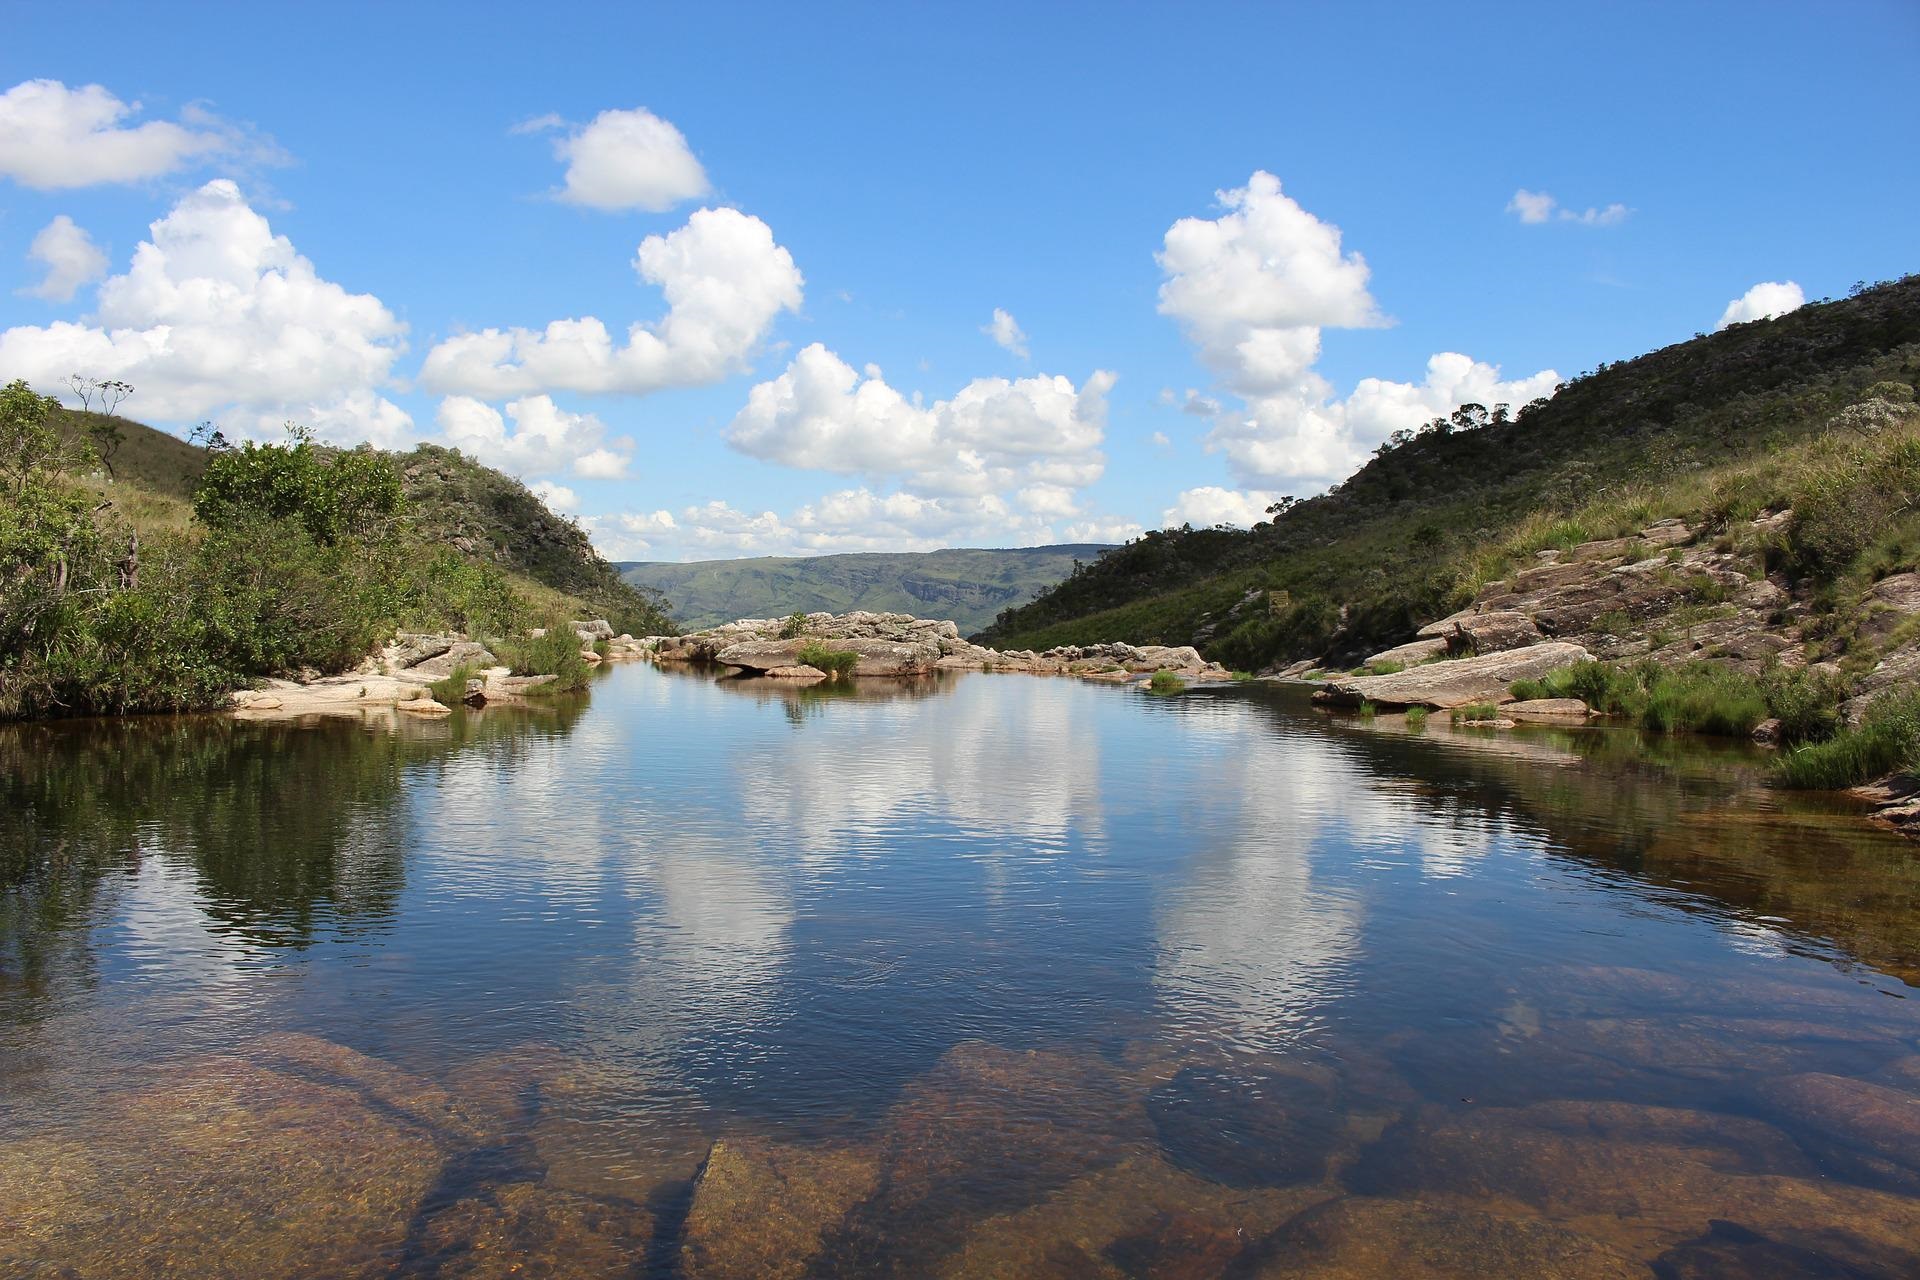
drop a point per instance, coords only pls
(554, 652)
(1764, 415)
(1165, 682)
(188, 571)
(1699, 697)
(1887, 739)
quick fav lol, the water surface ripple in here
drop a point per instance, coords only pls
(977, 976)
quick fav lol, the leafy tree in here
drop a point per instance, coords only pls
(334, 495)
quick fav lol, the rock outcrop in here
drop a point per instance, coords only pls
(899, 644)
(1443, 685)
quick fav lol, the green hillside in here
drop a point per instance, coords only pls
(1436, 513)
(140, 572)
(966, 585)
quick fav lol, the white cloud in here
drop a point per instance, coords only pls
(545, 438)
(1160, 440)
(1006, 331)
(856, 519)
(993, 435)
(219, 317)
(1210, 505)
(1537, 207)
(624, 160)
(724, 279)
(56, 138)
(1253, 288)
(557, 496)
(1764, 301)
(70, 257)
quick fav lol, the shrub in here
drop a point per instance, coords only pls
(452, 691)
(1888, 739)
(1416, 718)
(555, 652)
(1806, 703)
(794, 626)
(1702, 698)
(835, 662)
(1475, 713)
(1165, 682)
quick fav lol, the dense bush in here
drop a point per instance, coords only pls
(297, 558)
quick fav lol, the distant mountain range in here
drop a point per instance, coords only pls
(970, 586)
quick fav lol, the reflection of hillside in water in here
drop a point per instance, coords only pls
(212, 840)
(1693, 817)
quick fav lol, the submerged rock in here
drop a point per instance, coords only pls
(1245, 1129)
(763, 1210)
(1142, 1217)
(525, 1229)
(297, 1157)
(1361, 1239)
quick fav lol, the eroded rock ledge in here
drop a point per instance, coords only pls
(899, 644)
(398, 678)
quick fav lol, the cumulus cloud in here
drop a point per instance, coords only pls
(217, 316)
(1253, 289)
(544, 439)
(624, 160)
(1538, 207)
(1006, 331)
(70, 258)
(56, 138)
(1210, 505)
(724, 279)
(857, 519)
(1764, 301)
(992, 436)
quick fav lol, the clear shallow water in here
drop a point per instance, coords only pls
(986, 976)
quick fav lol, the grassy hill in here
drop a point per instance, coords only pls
(969, 586)
(1421, 527)
(450, 500)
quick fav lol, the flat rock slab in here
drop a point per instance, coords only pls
(877, 657)
(1548, 710)
(1445, 685)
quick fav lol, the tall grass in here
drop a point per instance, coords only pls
(1165, 682)
(453, 689)
(554, 653)
(835, 662)
(1888, 739)
(1416, 718)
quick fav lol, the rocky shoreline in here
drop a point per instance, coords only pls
(398, 679)
(899, 644)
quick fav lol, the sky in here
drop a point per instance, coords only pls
(779, 279)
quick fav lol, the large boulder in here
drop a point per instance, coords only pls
(1410, 654)
(877, 657)
(1443, 685)
(1491, 632)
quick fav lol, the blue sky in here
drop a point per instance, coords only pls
(349, 202)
